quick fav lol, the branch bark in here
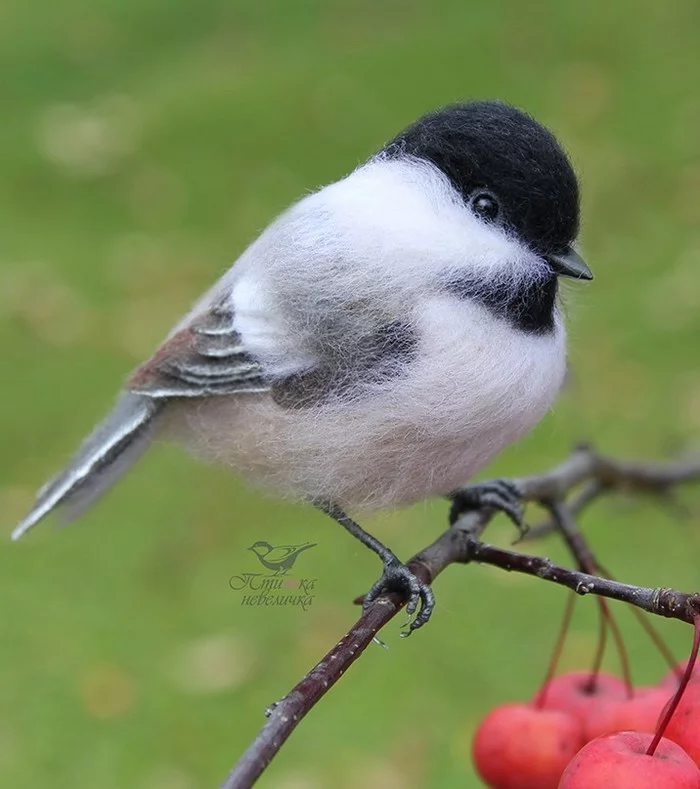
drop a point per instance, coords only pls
(595, 474)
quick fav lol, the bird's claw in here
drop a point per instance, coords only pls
(496, 494)
(398, 578)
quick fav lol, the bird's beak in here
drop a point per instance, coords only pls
(570, 264)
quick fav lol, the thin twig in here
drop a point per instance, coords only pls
(284, 716)
(662, 601)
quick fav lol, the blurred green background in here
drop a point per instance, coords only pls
(143, 144)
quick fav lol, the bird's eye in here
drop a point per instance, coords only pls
(485, 205)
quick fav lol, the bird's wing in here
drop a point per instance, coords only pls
(204, 358)
(113, 446)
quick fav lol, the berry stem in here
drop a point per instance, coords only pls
(600, 647)
(587, 562)
(621, 651)
(681, 688)
(654, 635)
(541, 696)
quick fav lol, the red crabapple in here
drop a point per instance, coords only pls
(518, 746)
(620, 761)
(574, 693)
(640, 713)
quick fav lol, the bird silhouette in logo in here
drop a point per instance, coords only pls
(280, 558)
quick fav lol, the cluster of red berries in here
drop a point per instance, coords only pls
(585, 731)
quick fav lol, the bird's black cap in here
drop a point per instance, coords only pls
(492, 146)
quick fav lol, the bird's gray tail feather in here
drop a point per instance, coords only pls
(113, 446)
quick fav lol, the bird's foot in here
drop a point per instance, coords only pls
(495, 494)
(398, 578)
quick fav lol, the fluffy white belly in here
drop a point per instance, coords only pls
(460, 403)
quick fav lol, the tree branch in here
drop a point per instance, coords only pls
(462, 544)
(661, 601)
